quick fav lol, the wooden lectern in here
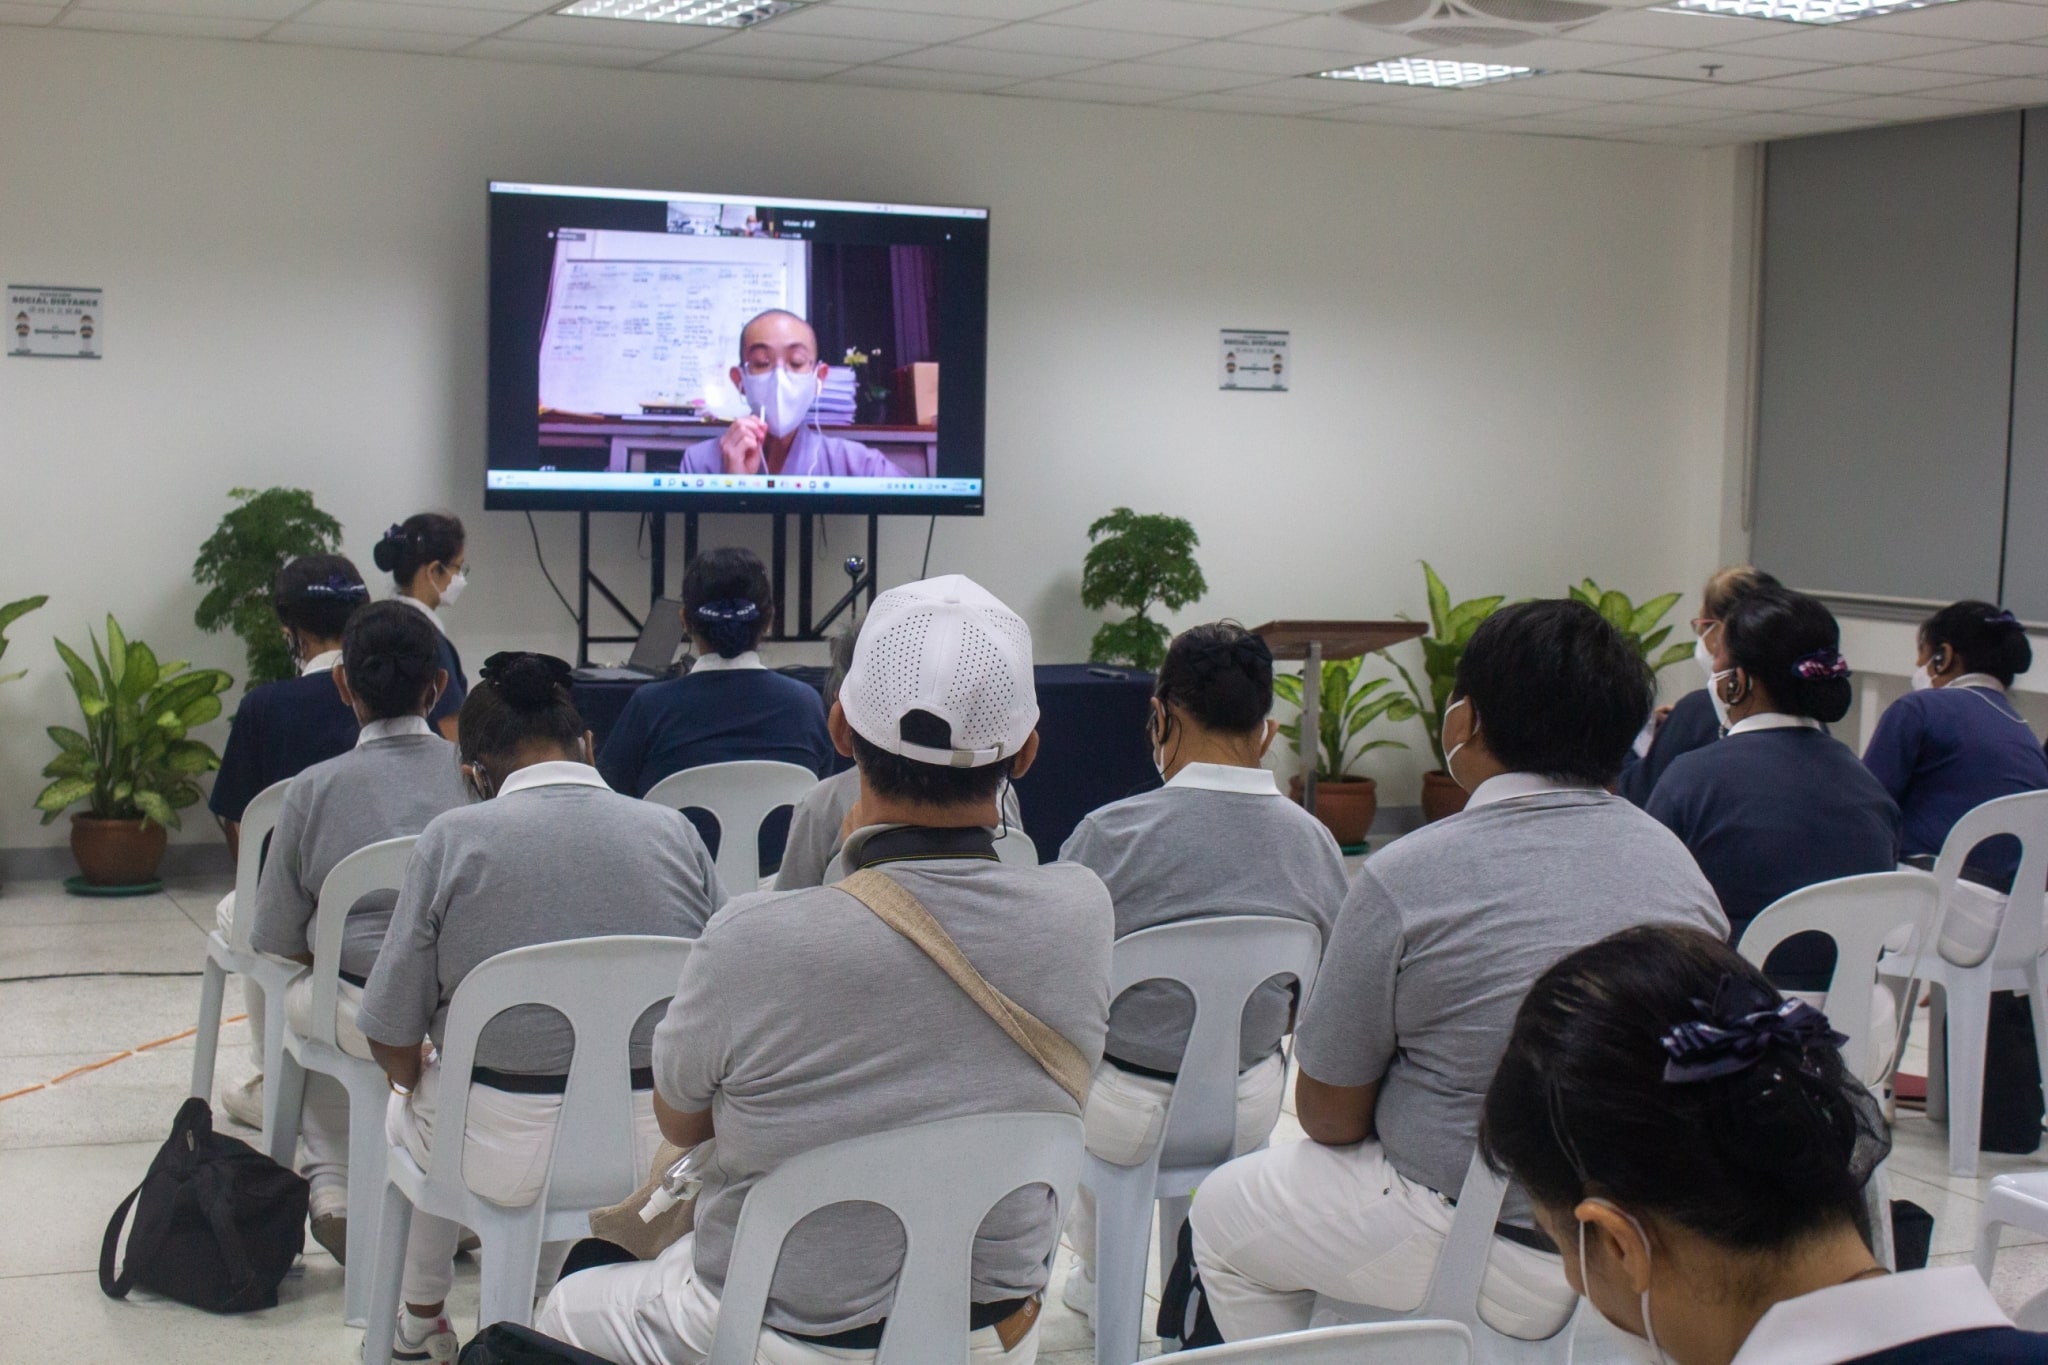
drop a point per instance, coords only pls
(1315, 641)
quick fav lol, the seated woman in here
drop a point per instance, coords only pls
(1691, 723)
(397, 778)
(1778, 804)
(1218, 839)
(729, 706)
(424, 555)
(279, 730)
(512, 870)
(1694, 1144)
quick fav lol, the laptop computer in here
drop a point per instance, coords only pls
(654, 653)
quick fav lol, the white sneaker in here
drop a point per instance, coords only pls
(244, 1103)
(438, 1345)
(1078, 1293)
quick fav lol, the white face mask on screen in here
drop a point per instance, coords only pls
(782, 399)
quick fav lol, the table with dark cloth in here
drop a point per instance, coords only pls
(1091, 737)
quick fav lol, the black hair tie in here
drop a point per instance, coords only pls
(728, 624)
(2003, 618)
(1740, 1029)
(396, 532)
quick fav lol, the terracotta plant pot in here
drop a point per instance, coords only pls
(1440, 796)
(117, 852)
(1346, 807)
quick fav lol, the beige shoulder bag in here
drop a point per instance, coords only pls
(902, 912)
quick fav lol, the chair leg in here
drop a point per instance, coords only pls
(394, 1226)
(2037, 1005)
(1969, 1022)
(1937, 1052)
(367, 1147)
(1987, 1245)
(1877, 1198)
(284, 1094)
(511, 1256)
(273, 1063)
(1123, 1244)
(213, 985)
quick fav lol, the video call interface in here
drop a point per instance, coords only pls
(656, 349)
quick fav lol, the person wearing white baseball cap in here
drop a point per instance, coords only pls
(939, 712)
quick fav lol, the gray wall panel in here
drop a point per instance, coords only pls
(2026, 527)
(1885, 361)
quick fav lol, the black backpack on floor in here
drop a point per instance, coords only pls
(217, 1223)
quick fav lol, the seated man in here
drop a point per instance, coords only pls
(1440, 938)
(780, 377)
(877, 1037)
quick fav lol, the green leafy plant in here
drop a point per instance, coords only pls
(9, 614)
(1348, 704)
(1638, 623)
(239, 562)
(1135, 561)
(133, 759)
(1450, 630)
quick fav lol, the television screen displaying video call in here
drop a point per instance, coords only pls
(660, 350)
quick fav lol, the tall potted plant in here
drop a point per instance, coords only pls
(132, 765)
(1348, 706)
(1136, 561)
(1638, 624)
(9, 614)
(239, 562)
(1450, 630)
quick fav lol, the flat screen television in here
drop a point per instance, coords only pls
(657, 350)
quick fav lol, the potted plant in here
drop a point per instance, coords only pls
(1134, 562)
(9, 614)
(132, 766)
(239, 562)
(1450, 630)
(1638, 624)
(1348, 705)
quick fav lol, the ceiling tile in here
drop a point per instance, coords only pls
(1234, 103)
(1179, 18)
(1086, 92)
(1895, 108)
(1647, 115)
(1987, 21)
(1432, 114)
(1186, 79)
(1690, 135)
(509, 6)
(173, 25)
(368, 39)
(1543, 127)
(984, 62)
(915, 78)
(384, 14)
(766, 42)
(28, 14)
(1549, 54)
(838, 21)
(1271, 61)
(1730, 68)
(1001, 11)
(1750, 98)
(1761, 126)
(1308, 90)
(1838, 44)
(1666, 28)
(1870, 80)
(1993, 59)
(1326, 34)
(758, 68)
(269, 11)
(619, 33)
(1493, 102)
(562, 54)
(2014, 90)
(1599, 88)
(1064, 40)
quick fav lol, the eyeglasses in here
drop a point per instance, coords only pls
(1702, 624)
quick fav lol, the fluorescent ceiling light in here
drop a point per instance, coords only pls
(705, 13)
(1799, 11)
(1427, 72)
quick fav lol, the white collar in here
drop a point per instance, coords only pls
(321, 663)
(432, 615)
(1225, 777)
(1983, 681)
(1772, 720)
(714, 663)
(1864, 1317)
(393, 729)
(560, 772)
(1512, 786)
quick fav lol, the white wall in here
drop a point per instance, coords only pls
(1511, 355)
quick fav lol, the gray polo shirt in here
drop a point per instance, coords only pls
(815, 823)
(877, 1037)
(555, 855)
(1445, 931)
(1215, 840)
(399, 777)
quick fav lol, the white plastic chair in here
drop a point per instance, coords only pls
(602, 986)
(1858, 914)
(940, 1180)
(2019, 1201)
(232, 954)
(1359, 1343)
(1955, 1078)
(1016, 849)
(1221, 962)
(377, 867)
(1454, 1287)
(740, 797)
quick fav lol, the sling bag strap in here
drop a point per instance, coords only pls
(117, 1286)
(903, 912)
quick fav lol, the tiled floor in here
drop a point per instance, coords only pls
(69, 1152)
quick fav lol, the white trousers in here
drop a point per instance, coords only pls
(252, 998)
(1126, 1117)
(659, 1313)
(323, 1117)
(1275, 1228)
(509, 1140)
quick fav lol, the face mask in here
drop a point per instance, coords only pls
(477, 780)
(1158, 728)
(782, 399)
(1703, 656)
(1649, 1328)
(1451, 753)
(1922, 680)
(456, 583)
(1714, 695)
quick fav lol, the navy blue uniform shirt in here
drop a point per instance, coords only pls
(715, 715)
(1691, 725)
(1942, 753)
(280, 730)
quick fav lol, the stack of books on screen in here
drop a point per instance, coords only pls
(835, 407)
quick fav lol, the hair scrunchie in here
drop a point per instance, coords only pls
(1821, 664)
(1741, 1027)
(2003, 618)
(728, 625)
(334, 588)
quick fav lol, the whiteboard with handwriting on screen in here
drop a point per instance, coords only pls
(638, 321)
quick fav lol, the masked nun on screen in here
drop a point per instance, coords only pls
(780, 377)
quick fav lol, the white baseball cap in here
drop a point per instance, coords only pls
(947, 646)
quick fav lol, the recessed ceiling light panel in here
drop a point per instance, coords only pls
(1423, 71)
(705, 13)
(1799, 11)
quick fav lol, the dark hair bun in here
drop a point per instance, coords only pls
(1988, 638)
(385, 556)
(528, 682)
(1791, 644)
(1220, 674)
(421, 539)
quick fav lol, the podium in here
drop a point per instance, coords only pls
(1313, 642)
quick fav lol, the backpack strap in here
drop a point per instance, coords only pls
(112, 1285)
(216, 1200)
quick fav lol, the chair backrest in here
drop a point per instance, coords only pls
(1221, 961)
(940, 1180)
(1363, 1343)
(1461, 1265)
(740, 797)
(602, 986)
(375, 867)
(2025, 817)
(1858, 913)
(259, 818)
(1016, 848)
